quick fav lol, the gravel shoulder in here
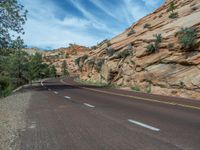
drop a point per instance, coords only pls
(12, 119)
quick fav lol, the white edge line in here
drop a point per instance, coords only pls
(67, 97)
(143, 125)
(86, 104)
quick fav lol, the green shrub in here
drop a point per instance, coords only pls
(158, 38)
(148, 88)
(187, 38)
(110, 51)
(147, 25)
(77, 61)
(173, 15)
(131, 32)
(154, 47)
(98, 65)
(171, 9)
(150, 49)
(5, 86)
(124, 54)
(84, 57)
(135, 88)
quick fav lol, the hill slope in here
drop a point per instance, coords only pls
(150, 56)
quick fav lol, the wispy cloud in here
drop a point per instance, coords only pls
(57, 23)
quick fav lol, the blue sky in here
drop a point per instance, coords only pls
(56, 23)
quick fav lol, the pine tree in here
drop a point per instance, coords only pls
(64, 68)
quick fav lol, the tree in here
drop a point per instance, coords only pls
(12, 18)
(52, 71)
(64, 68)
(18, 62)
(12, 60)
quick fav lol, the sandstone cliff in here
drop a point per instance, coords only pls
(149, 54)
(68, 54)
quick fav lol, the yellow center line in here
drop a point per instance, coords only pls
(140, 98)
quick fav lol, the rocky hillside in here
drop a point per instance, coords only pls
(158, 54)
(57, 56)
(68, 54)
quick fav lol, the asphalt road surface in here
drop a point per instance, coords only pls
(65, 115)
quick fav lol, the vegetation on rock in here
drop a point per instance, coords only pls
(187, 38)
(64, 68)
(135, 88)
(98, 64)
(147, 25)
(131, 32)
(110, 51)
(154, 47)
(171, 9)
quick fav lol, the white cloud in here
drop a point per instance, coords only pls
(45, 29)
(96, 22)
(137, 11)
(107, 10)
(74, 22)
(43, 34)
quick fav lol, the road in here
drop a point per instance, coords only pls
(64, 115)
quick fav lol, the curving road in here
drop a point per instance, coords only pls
(64, 115)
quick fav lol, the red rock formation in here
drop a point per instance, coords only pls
(171, 71)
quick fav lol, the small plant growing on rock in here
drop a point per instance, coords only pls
(187, 38)
(147, 26)
(148, 88)
(154, 47)
(84, 57)
(110, 51)
(135, 88)
(98, 65)
(173, 15)
(131, 32)
(77, 61)
(171, 9)
(124, 54)
(150, 49)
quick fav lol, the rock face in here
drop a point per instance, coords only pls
(69, 54)
(171, 69)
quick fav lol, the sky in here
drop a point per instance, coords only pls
(56, 23)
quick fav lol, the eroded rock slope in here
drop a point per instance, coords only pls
(150, 56)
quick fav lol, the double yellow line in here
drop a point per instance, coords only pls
(139, 98)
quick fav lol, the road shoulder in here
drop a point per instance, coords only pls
(12, 119)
